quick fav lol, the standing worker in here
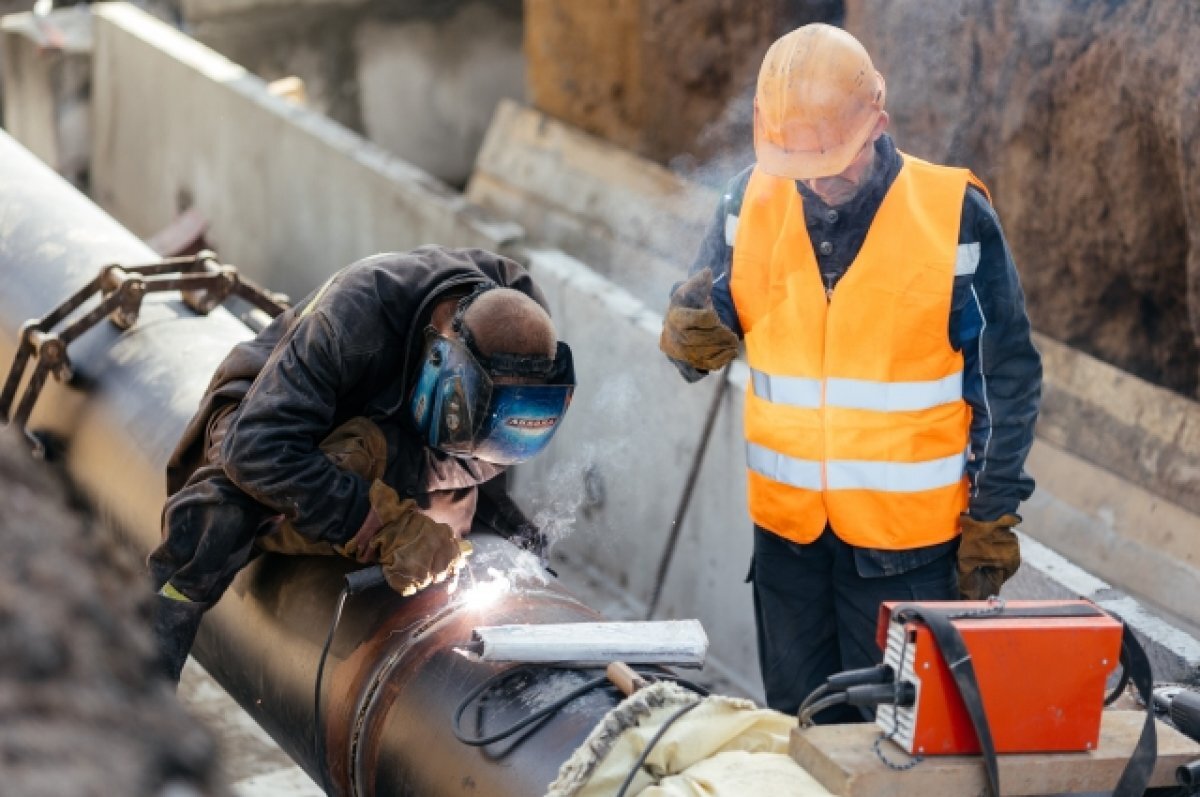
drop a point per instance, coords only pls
(370, 420)
(894, 383)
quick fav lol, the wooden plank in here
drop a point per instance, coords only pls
(842, 758)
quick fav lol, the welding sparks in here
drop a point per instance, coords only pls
(484, 593)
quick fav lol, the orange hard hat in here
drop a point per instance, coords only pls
(818, 99)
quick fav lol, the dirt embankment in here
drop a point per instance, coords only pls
(1084, 119)
(83, 710)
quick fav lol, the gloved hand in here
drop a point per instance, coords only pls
(414, 550)
(988, 555)
(692, 331)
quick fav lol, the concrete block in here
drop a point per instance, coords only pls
(196, 11)
(427, 87)
(707, 573)
(1139, 541)
(1145, 434)
(628, 218)
(609, 482)
(290, 195)
(46, 68)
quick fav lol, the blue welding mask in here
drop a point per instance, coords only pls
(460, 409)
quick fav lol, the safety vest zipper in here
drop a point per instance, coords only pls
(824, 402)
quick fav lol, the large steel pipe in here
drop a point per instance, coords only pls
(393, 678)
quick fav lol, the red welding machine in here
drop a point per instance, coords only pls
(1041, 672)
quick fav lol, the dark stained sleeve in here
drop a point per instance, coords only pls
(272, 449)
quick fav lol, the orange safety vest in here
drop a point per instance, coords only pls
(855, 414)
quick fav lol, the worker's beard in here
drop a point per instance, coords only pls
(835, 191)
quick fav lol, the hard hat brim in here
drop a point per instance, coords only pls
(808, 164)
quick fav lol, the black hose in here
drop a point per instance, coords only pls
(318, 726)
(356, 582)
(542, 713)
(637, 766)
(813, 697)
(879, 674)
(806, 716)
(545, 711)
(1188, 774)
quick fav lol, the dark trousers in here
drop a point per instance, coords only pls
(816, 613)
(209, 528)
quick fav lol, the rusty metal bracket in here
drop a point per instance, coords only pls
(203, 282)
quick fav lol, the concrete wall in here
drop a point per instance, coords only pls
(420, 79)
(427, 88)
(628, 217)
(290, 195)
(45, 66)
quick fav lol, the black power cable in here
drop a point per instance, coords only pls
(840, 681)
(637, 765)
(817, 706)
(545, 711)
(356, 582)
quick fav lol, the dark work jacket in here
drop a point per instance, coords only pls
(349, 349)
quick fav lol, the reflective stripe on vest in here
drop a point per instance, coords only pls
(858, 394)
(890, 477)
(855, 415)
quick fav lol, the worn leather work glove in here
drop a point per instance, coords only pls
(414, 550)
(692, 331)
(988, 555)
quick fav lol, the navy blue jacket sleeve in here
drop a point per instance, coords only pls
(716, 249)
(716, 253)
(1002, 380)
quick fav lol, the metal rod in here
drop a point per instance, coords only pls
(689, 486)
